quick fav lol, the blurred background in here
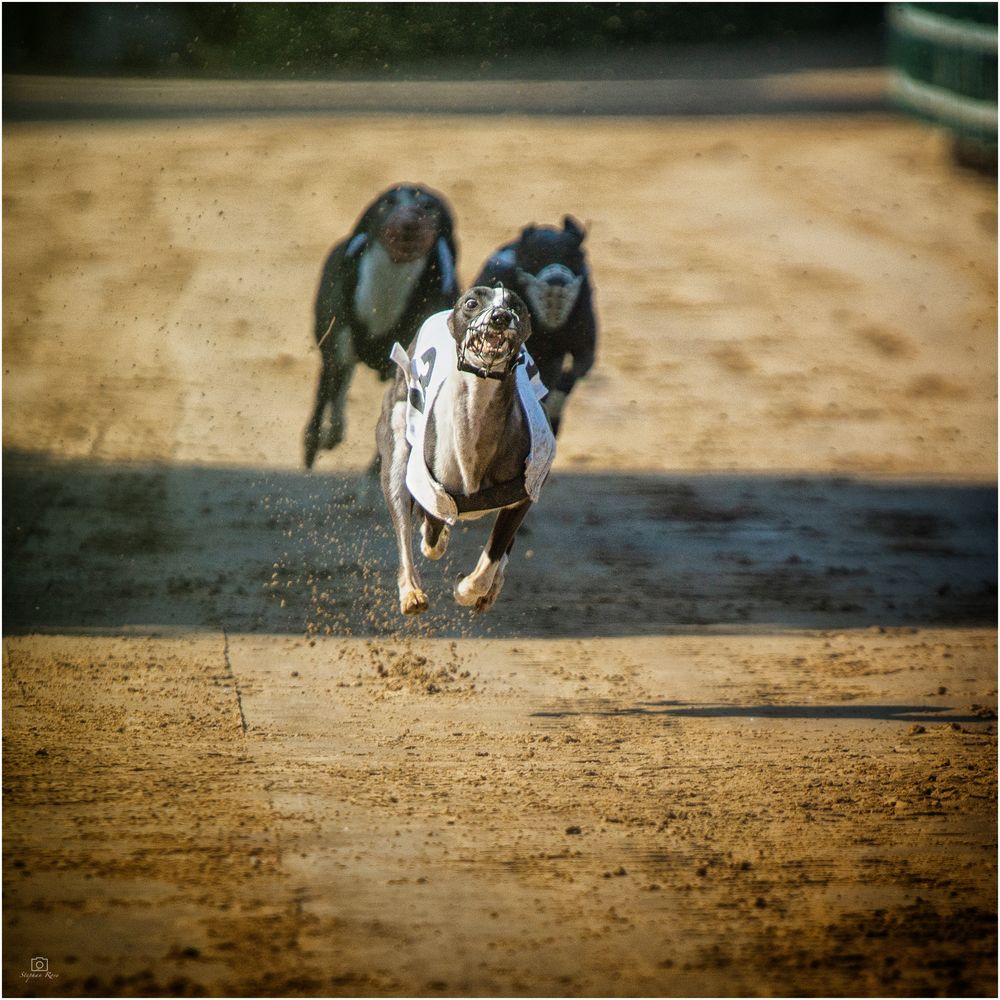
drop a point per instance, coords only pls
(405, 39)
(943, 57)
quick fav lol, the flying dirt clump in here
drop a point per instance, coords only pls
(400, 667)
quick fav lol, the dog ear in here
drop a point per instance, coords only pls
(527, 231)
(446, 265)
(453, 325)
(356, 245)
(571, 226)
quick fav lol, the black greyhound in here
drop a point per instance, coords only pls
(547, 267)
(395, 269)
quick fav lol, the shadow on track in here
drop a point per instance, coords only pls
(93, 546)
(870, 713)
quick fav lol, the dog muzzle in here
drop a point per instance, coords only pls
(491, 347)
(408, 234)
(552, 293)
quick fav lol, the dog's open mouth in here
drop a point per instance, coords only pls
(493, 342)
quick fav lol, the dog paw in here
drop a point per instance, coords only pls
(480, 589)
(438, 550)
(469, 596)
(413, 602)
(483, 605)
(331, 435)
(465, 592)
(311, 447)
(486, 602)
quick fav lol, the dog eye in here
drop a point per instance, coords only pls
(471, 304)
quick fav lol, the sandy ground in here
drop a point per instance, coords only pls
(731, 727)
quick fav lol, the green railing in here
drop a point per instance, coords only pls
(944, 66)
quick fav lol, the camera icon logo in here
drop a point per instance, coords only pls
(39, 964)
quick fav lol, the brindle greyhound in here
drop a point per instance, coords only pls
(461, 434)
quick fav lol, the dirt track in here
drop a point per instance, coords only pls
(731, 728)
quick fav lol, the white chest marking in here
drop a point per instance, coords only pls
(384, 288)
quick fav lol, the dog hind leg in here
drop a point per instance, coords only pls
(434, 537)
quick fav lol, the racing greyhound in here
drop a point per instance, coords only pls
(378, 285)
(462, 433)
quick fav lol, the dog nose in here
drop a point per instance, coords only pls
(501, 318)
(408, 233)
(408, 217)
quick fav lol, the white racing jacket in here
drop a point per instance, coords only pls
(434, 360)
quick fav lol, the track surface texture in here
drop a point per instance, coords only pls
(730, 729)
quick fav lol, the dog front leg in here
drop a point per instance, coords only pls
(394, 452)
(311, 441)
(412, 599)
(339, 360)
(482, 586)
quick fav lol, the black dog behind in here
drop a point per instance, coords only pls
(547, 267)
(395, 269)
